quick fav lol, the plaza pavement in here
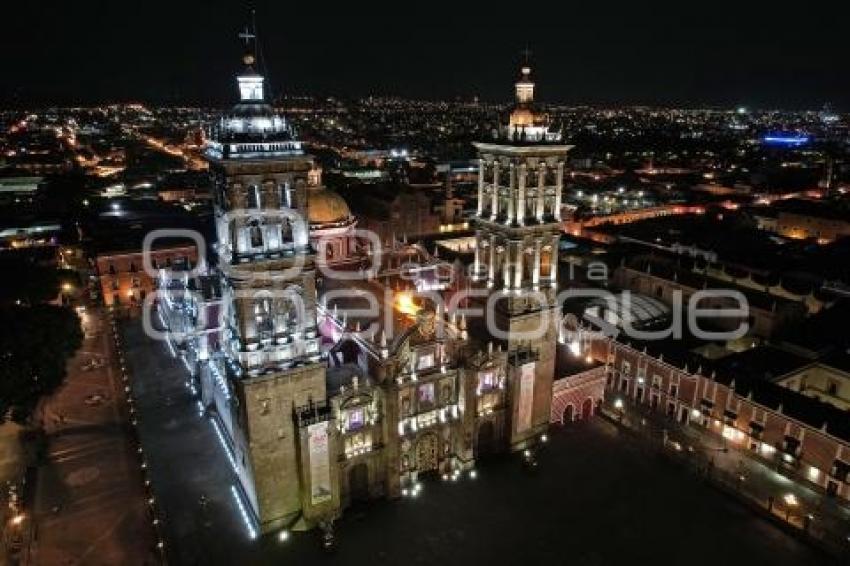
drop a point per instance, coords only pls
(184, 457)
(90, 503)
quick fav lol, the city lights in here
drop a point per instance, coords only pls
(365, 292)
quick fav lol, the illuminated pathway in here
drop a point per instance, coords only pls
(184, 457)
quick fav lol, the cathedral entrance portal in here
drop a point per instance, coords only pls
(358, 482)
(486, 439)
(426, 453)
(587, 409)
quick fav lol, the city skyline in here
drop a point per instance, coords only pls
(652, 56)
(266, 326)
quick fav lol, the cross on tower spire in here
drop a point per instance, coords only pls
(247, 36)
(250, 82)
(526, 53)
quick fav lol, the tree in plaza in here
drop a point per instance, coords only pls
(28, 284)
(35, 344)
(36, 338)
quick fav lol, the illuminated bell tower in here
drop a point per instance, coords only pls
(270, 345)
(517, 229)
(525, 86)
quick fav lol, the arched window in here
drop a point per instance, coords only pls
(293, 197)
(285, 231)
(546, 262)
(265, 323)
(256, 233)
(253, 196)
(284, 196)
(528, 264)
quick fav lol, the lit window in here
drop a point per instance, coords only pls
(356, 419)
(426, 393)
(487, 380)
(425, 361)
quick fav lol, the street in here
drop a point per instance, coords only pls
(90, 503)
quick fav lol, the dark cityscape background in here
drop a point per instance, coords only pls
(682, 54)
(681, 169)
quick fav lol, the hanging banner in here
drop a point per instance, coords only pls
(526, 397)
(320, 470)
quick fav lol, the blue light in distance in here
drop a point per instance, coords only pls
(786, 140)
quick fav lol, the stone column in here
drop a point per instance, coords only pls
(541, 180)
(511, 190)
(523, 178)
(477, 265)
(536, 274)
(481, 170)
(506, 267)
(491, 276)
(553, 260)
(559, 187)
(520, 251)
(494, 211)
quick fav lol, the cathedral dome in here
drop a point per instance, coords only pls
(326, 207)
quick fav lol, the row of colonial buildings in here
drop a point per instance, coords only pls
(802, 437)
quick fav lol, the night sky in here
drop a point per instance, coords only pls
(598, 53)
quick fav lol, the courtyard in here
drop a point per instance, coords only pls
(596, 498)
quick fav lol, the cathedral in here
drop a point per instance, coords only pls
(339, 368)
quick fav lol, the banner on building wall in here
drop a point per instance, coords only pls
(526, 397)
(320, 470)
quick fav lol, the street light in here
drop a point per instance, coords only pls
(791, 501)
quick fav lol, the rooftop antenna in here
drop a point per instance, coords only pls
(526, 54)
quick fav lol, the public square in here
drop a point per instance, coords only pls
(90, 502)
(596, 497)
